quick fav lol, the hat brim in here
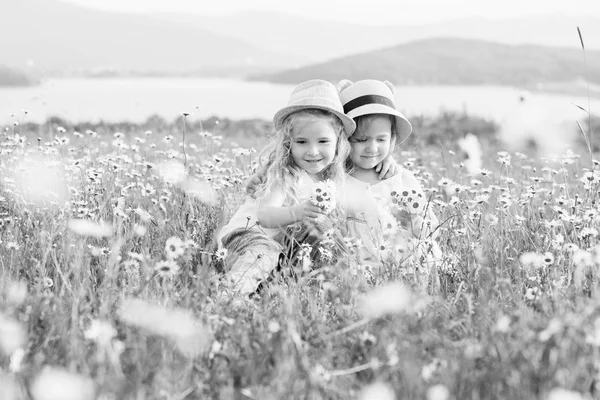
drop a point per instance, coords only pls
(403, 125)
(281, 115)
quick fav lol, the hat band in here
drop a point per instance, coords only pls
(368, 99)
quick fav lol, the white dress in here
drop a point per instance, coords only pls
(381, 237)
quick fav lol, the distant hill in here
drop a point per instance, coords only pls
(10, 77)
(447, 61)
(58, 36)
(317, 40)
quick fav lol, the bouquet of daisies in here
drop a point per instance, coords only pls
(323, 195)
(411, 201)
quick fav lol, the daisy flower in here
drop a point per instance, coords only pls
(221, 253)
(174, 247)
(411, 201)
(167, 268)
(324, 195)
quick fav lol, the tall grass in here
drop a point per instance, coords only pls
(94, 303)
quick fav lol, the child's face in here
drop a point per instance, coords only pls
(313, 145)
(368, 147)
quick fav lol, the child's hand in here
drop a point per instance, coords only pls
(387, 168)
(253, 184)
(310, 212)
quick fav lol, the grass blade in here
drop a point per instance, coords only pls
(580, 38)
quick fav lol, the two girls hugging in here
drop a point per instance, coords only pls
(330, 193)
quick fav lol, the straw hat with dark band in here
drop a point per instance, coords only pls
(317, 94)
(373, 97)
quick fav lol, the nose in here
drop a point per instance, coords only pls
(313, 150)
(372, 146)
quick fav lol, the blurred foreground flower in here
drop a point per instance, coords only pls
(377, 391)
(17, 292)
(58, 384)
(564, 394)
(503, 324)
(438, 392)
(101, 332)
(391, 299)
(41, 181)
(532, 260)
(12, 335)
(85, 227)
(16, 359)
(191, 337)
(172, 172)
(201, 190)
(470, 145)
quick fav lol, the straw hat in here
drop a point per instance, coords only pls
(317, 94)
(373, 97)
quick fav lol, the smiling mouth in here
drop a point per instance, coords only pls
(313, 161)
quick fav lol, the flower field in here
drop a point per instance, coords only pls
(109, 287)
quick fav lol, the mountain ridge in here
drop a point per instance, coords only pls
(453, 61)
(319, 40)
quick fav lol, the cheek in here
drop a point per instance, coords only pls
(361, 148)
(295, 151)
(355, 153)
(330, 147)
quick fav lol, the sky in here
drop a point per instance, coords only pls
(372, 12)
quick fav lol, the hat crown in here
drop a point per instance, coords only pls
(368, 87)
(316, 92)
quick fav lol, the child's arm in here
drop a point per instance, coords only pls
(252, 184)
(271, 213)
(387, 168)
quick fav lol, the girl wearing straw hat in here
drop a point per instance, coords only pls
(395, 222)
(309, 149)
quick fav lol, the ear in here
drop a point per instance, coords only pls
(391, 86)
(343, 84)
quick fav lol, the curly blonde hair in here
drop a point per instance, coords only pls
(277, 166)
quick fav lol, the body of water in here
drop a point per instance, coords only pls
(136, 99)
(546, 116)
